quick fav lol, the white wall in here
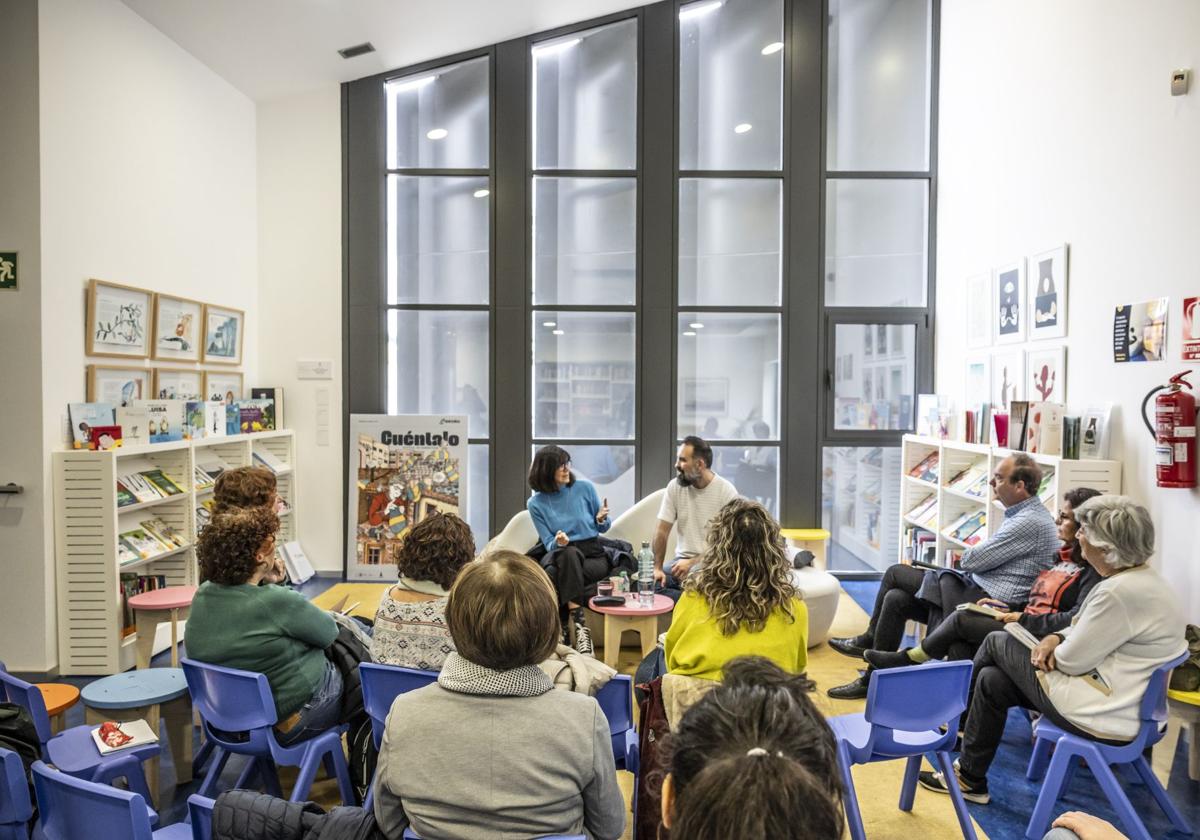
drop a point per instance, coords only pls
(147, 179)
(1056, 125)
(300, 297)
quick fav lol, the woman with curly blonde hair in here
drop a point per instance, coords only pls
(741, 601)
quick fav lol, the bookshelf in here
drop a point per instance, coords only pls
(573, 398)
(87, 523)
(950, 503)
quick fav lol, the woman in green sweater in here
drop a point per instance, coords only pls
(269, 629)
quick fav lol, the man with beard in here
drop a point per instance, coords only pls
(691, 500)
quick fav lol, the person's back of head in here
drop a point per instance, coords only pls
(436, 549)
(244, 487)
(234, 544)
(754, 758)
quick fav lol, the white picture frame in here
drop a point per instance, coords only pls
(1008, 378)
(224, 335)
(178, 384)
(177, 329)
(979, 308)
(1008, 303)
(1046, 372)
(1046, 292)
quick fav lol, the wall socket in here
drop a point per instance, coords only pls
(1179, 81)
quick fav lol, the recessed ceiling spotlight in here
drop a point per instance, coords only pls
(689, 332)
(481, 193)
(558, 332)
(357, 50)
(549, 324)
(771, 49)
(696, 326)
(742, 128)
(697, 9)
(439, 133)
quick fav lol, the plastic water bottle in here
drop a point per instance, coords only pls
(646, 577)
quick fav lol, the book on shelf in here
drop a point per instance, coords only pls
(1093, 440)
(166, 419)
(968, 477)
(201, 480)
(143, 544)
(204, 420)
(211, 468)
(85, 416)
(139, 487)
(1018, 424)
(971, 529)
(124, 497)
(927, 469)
(164, 533)
(1070, 445)
(125, 554)
(233, 419)
(1046, 488)
(1000, 427)
(299, 568)
(256, 415)
(134, 584)
(268, 459)
(920, 545)
(923, 508)
(275, 395)
(166, 485)
(204, 513)
(1044, 434)
(282, 506)
(135, 423)
(105, 438)
(952, 556)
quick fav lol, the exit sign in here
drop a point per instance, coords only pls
(8, 269)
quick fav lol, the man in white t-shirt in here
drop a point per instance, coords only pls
(691, 500)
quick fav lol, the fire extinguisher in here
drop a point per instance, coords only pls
(1174, 432)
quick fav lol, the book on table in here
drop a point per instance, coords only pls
(134, 733)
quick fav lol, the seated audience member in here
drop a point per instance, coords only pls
(570, 518)
(1087, 678)
(251, 487)
(753, 758)
(1002, 568)
(491, 749)
(1056, 596)
(269, 629)
(691, 500)
(410, 626)
(740, 602)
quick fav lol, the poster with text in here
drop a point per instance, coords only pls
(403, 468)
(1191, 329)
(1140, 331)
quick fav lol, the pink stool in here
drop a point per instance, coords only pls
(153, 607)
(641, 620)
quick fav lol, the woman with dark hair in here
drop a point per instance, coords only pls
(753, 758)
(569, 517)
(1056, 597)
(410, 626)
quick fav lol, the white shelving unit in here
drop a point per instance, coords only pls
(954, 457)
(864, 508)
(87, 523)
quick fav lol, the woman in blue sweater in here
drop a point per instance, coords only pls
(569, 517)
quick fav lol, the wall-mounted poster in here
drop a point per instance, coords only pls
(223, 386)
(979, 309)
(1048, 294)
(117, 385)
(118, 320)
(1008, 378)
(403, 469)
(172, 384)
(1047, 375)
(223, 334)
(978, 383)
(1009, 298)
(177, 328)
(1191, 329)
(1140, 331)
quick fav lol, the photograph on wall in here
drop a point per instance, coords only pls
(118, 320)
(118, 385)
(709, 397)
(979, 323)
(176, 328)
(1047, 375)
(223, 334)
(1191, 329)
(978, 383)
(1008, 378)
(177, 384)
(1140, 331)
(1048, 294)
(404, 468)
(223, 386)
(1009, 297)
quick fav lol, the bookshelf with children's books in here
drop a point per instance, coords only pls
(126, 521)
(947, 503)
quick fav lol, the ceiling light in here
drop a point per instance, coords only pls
(697, 9)
(357, 50)
(696, 326)
(771, 49)
(554, 49)
(549, 324)
(689, 332)
(406, 85)
(742, 128)
(557, 332)
(439, 133)
(481, 193)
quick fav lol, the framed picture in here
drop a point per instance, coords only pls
(223, 328)
(979, 322)
(709, 397)
(223, 386)
(1008, 378)
(176, 328)
(118, 320)
(1008, 297)
(118, 385)
(1048, 294)
(171, 384)
(1048, 375)
(978, 383)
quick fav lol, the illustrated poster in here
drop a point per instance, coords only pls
(1140, 331)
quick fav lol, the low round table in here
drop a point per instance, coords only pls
(150, 608)
(641, 620)
(812, 539)
(154, 694)
(58, 697)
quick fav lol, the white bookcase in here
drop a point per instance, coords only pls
(87, 522)
(954, 457)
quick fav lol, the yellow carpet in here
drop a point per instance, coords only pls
(878, 785)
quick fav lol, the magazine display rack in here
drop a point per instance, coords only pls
(87, 523)
(945, 503)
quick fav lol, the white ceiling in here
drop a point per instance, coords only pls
(271, 49)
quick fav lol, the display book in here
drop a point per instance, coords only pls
(100, 425)
(152, 538)
(145, 486)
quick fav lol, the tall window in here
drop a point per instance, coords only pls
(730, 256)
(438, 267)
(584, 200)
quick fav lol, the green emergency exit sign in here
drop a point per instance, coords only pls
(8, 269)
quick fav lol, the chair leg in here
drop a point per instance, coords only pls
(341, 770)
(369, 802)
(1160, 795)
(245, 779)
(850, 799)
(1133, 824)
(1053, 784)
(908, 790)
(271, 777)
(1038, 760)
(960, 804)
(206, 749)
(304, 781)
(215, 768)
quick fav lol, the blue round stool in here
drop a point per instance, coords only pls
(155, 694)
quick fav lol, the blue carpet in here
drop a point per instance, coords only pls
(863, 592)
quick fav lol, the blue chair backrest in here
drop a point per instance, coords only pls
(72, 808)
(200, 810)
(229, 699)
(29, 697)
(616, 701)
(15, 806)
(382, 684)
(920, 698)
(1153, 708)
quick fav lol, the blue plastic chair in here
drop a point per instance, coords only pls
(409, 834)
(907, 709)
(72, 808)
(1100, 757)
(238, 712)
(381, 685)
(15, 808)
(73, 751)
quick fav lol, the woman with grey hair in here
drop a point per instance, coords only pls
(1088, 678)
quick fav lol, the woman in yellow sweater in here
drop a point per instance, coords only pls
(740, 601)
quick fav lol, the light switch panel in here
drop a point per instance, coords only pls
(314, 369)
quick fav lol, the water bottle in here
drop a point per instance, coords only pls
(646, 577)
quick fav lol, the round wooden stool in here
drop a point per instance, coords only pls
(640, 620)
(150, 608)
(58, 698)
(154, 694)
